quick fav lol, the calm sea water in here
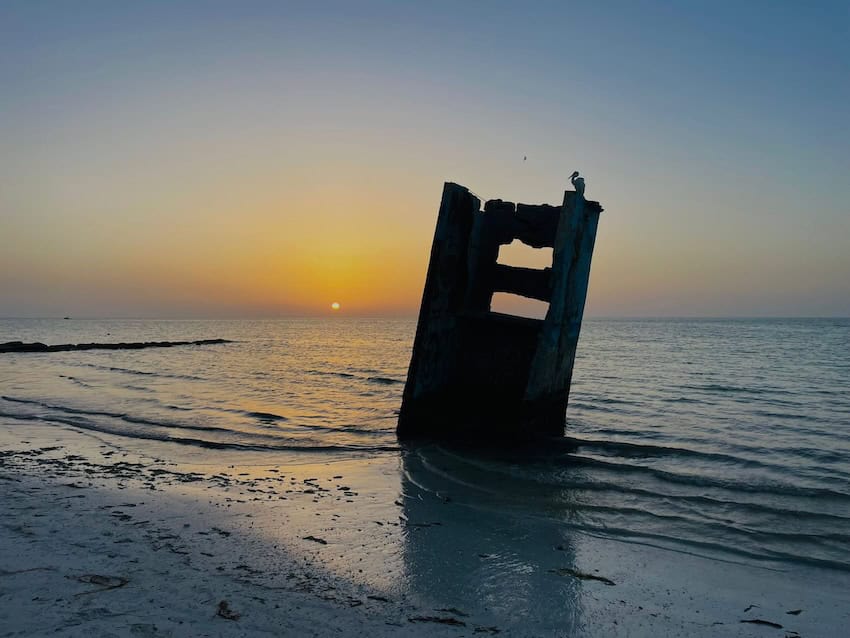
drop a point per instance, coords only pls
(725, 438)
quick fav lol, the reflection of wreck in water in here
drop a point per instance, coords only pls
(482, 539)
(475, 372)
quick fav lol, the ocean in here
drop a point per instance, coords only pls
(723, 439)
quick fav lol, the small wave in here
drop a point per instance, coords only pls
(703, 504)
(202, 443)
(265, 417)
(644, 450)
(363, 370)
(272, 443)
(137, 388)
(383, 380)
(117, 415)
(611, 400)
(347, 429)
(734, 389)
(79, 382)
(712, 548)
(681, 400)
(324, 373)
(599, 407)
(347, 375)
(144, 373)
(708, 482)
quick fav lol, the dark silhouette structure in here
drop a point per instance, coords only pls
(20, 346)
(478, 375)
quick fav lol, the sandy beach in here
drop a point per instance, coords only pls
(100, 539)
(100, 542)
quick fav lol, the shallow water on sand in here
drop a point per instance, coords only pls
(727, 439)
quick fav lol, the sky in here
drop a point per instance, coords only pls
(263, 159)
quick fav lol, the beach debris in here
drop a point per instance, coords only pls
(104, 583)
(315, 539)
(794, 612)
(378, 598)
(224, 611)
(442, 620)
(766, 623)
(4, 572)
(453, 610)
(566, 571)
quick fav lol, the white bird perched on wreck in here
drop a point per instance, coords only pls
(577, 182)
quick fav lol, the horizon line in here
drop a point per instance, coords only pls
(401, 316)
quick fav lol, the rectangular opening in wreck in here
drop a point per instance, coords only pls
(509, 304)
(519, 254)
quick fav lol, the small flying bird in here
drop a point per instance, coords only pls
(524, 157)
(578, 183)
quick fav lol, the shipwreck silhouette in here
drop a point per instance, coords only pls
(476, 375)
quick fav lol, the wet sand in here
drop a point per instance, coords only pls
(102, 537)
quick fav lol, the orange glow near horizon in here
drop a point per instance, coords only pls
(210, 171)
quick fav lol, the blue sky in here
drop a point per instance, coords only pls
(184, 159)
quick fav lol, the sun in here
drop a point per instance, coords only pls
(335, 305)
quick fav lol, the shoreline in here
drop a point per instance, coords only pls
(127, 543)
(102, 537)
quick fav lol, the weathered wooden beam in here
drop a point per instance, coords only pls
(497, 206)
(536, 225)
(533, 224)
(436, 348)
(499, 219)
(551, 371)
(481, 260)
(528, 282)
